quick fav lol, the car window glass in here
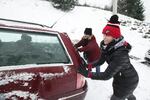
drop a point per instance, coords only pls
(21, 48)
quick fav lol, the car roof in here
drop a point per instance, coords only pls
(25, 26)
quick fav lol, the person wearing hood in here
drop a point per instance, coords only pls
(115, 52)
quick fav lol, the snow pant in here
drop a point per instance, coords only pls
(130, 97)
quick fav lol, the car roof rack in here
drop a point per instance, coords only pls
(24, 22)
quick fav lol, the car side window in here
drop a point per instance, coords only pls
(21, 48)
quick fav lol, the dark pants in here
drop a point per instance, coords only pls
(97, 69)
(130, 97)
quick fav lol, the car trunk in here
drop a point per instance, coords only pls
(45, 81)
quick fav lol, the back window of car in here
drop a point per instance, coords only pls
(21, 48)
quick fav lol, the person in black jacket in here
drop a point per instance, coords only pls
(115, 52)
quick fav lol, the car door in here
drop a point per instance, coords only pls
(34, 65)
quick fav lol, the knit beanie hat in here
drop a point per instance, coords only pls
(112, 28)
(88, 31)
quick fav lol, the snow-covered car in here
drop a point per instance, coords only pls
(147, 56)
(38, 63)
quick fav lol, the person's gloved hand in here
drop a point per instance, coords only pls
(78, 50)
(90, 74)
(90, 66)
(84, 72)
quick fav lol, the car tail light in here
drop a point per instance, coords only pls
(80, 81)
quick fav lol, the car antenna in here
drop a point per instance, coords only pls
(57, 21)
(106, 19)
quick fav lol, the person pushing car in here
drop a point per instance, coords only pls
(115, 52)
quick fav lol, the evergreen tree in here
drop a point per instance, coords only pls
(64, 5)
(132, 8)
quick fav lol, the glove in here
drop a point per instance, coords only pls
(90, 74)
(78, 50)
(90, 66)
(84, 72)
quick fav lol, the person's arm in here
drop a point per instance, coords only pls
(85, 48)
(119, 60)
(78, 44)
(82, 42)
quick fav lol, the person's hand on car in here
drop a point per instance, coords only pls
(90, 66)
(83, 71)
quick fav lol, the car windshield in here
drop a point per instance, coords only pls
(21, 48)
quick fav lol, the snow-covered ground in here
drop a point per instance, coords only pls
(74, 23)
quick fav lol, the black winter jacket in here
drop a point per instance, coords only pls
(119, 67)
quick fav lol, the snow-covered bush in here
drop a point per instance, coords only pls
(64, 5)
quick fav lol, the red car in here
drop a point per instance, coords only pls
(37, 63)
